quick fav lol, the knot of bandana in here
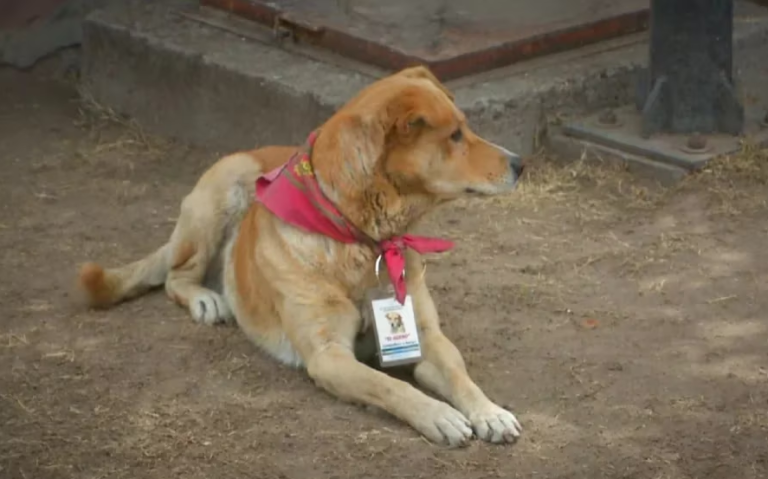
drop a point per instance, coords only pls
(393, 251)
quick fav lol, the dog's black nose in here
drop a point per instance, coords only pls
(516, 163)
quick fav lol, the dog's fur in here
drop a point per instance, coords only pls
(392, 154)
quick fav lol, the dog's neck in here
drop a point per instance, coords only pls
(379, 206)
(380, 211)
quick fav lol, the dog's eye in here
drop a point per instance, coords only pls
(457, 135)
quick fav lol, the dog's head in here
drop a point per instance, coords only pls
(400, 147)
(395, 320)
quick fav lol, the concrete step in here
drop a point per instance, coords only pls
(235, 88)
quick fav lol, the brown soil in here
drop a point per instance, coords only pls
(625, 326)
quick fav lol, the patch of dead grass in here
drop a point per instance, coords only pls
(592, 189)
(732, 181)
(112, 132)
(94, 115)
(595, 190)
(751, 163)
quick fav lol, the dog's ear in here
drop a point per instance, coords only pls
(347, 150)
(406, 115)
(424, 73)
(359, 133)
(390, 103)
(390, 112)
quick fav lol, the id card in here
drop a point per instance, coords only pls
(394, 325)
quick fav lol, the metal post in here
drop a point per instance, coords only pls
(689, 87)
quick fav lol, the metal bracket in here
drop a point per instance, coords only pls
(686, 109)
(689, 87)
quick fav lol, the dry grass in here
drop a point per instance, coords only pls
(731, 181)
(601, 192)
(591, 189)
(599, 195)
(93, 114)
(111, 131)
(751, 164)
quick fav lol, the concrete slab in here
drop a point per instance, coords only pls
(193, 81)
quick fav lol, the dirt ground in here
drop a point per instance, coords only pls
(625, 326)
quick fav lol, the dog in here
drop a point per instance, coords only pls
(396, 325)
(393, 153)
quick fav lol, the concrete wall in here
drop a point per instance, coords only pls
(33, 29)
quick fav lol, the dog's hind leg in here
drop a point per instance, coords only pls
(208, 216)
(196, 240)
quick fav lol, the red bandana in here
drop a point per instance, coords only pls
(292, 193)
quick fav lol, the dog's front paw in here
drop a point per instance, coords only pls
(210, 308)
(495, 424)
(442, 424)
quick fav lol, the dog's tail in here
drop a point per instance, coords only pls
(105, 287)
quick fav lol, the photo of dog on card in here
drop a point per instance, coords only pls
(396, 325)
(283, 241)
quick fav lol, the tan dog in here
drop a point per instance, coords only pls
(392, 154)
(396, 325)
